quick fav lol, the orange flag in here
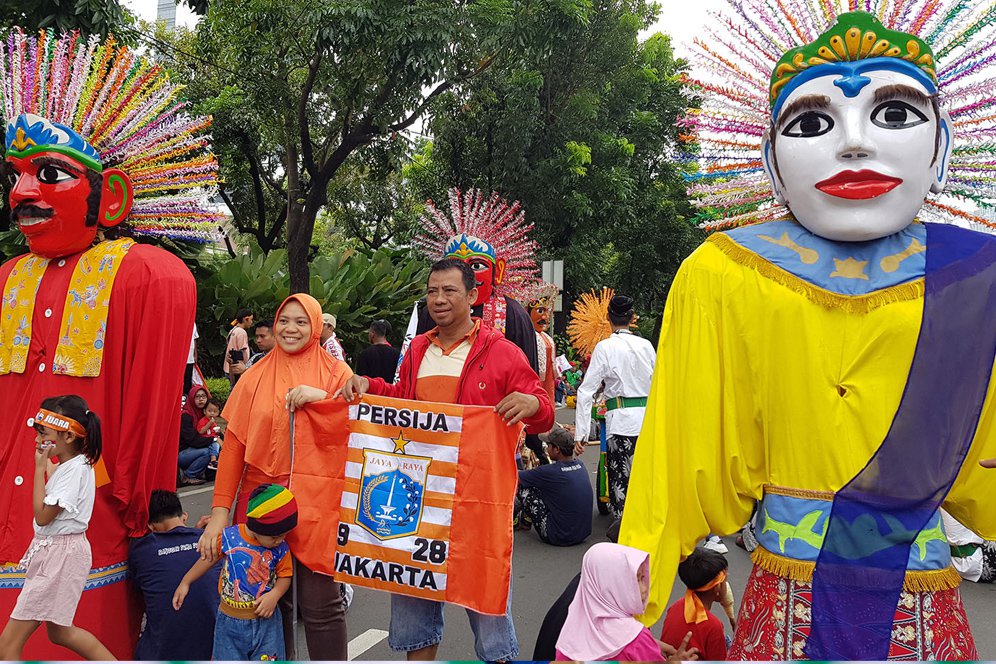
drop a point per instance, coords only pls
(425, 501)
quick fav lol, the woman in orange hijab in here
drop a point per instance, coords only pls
(258, 451)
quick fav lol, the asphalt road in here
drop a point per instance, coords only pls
(539, 574)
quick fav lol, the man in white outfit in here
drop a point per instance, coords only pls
(624, 363)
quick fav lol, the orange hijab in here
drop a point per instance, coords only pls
(256, 410)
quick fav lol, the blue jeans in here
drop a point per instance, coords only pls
(194, 461)
(236, 639)
(418, 623)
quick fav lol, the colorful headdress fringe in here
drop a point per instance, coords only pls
(491, 220)
(127, 109)
(589, 322)
(733, 65)
(540, 291)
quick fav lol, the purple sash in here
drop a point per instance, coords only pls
(876, 517)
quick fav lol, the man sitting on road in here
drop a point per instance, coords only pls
(556, 499)
(459, 361)
(157, 563)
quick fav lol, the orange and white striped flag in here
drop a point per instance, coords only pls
(426, 505)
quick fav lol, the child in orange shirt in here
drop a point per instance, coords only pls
(704, 574)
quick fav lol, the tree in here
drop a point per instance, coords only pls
(305, 84)
(585, 137)
(99, 17)
(371, 200)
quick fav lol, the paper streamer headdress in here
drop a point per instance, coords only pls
(489, 227)
(106, 106)
(751, 52)
(540, 291)
(589, 322)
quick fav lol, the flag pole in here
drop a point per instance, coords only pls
(297, 655)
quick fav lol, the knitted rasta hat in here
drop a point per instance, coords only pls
(272, 510)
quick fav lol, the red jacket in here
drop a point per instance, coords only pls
(495, 368)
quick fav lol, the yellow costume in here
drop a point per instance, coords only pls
(767, 380)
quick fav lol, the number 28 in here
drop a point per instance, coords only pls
(432, 551)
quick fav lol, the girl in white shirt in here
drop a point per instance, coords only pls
(58, 561)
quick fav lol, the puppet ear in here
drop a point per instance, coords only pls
(943, 157)
(116, 198)
(768, 159)
(499, 270)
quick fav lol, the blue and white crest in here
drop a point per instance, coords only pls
(391, 491)
(29, 133)
(464, 246)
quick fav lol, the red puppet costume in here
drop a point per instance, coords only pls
(540, 299)
(108, 319)
(492, 237)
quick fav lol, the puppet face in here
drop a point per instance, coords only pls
(854, 153)
(540, 315)
(481, 257)
(58, 189)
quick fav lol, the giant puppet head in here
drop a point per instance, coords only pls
(539, 299)
(852, 122)
(488, 234)
(857, 139)
(95, 134)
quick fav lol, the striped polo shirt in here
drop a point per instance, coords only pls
(439, 372)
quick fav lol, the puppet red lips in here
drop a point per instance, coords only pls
(858, 185)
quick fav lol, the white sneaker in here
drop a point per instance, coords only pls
(715, 544)
(347, 596)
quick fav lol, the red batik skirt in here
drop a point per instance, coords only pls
(775, 617)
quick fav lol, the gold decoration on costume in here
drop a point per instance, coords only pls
(399, 443)
(18, 311)
(21, 140)
(806, 255)
(80, 351)
(891, 263)
(850, 268)
(801, 571)
(852, 304)
(590, 321)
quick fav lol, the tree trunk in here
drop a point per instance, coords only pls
(299, 242)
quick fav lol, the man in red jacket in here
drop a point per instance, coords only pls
(460, 361)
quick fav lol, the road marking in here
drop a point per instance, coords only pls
(365, 642)
(191, 492)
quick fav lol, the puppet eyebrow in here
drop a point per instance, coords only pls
(899, 91)
(55, 161)
(805, 103)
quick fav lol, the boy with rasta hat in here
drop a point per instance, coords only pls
(256, 573)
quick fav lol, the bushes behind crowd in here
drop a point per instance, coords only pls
(357, 286)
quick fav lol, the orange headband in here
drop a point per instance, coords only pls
(695, 611)
(59, 422)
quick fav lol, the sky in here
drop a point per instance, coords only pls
(146, 9)
(683, 21)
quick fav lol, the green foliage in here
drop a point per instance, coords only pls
(296, 87)
(12, 242)
(358, 286)
(219, 388)
(99, 17)
(584, 135)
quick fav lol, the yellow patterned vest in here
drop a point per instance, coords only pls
(80, 350)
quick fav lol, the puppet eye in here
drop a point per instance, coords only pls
(49, 174)
(897, 114)
(809, 125)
